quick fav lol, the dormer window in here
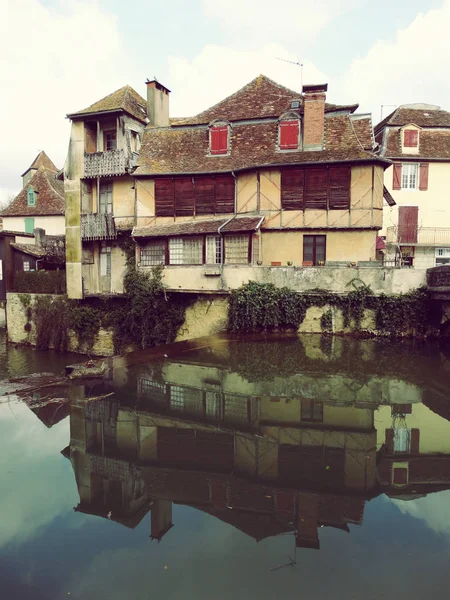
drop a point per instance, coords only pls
(218, 138)
(410, 138)
(289, 134)
(31, 197)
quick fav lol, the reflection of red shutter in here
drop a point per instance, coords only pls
(415, 436)
(400, 476)
(285, 502)
(289, 135)
(397, 177)
(390, 440)
(408, 217)
(219, 494)
(423, 176)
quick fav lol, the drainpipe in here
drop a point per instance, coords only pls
(222, 249)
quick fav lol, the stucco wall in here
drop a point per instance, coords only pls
(52, 225)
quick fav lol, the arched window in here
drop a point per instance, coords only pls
(289, 131)
(31, 197)
(219, 137)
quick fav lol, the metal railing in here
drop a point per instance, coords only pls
(424, 236)
(96, 226)
(105, 164)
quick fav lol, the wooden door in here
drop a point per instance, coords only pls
(105, 268)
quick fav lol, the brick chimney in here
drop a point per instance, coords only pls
(157, 103)
(314, 115)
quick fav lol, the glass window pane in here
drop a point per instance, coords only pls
(236, 249)
(153, 253)
(213, 249)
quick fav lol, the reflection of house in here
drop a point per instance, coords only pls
(416, 137)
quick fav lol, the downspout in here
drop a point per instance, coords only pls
(222, 250)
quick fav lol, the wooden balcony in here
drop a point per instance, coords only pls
(422, 236)
(105, 164)
(96, 226)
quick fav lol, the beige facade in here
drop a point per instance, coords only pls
(52, 225)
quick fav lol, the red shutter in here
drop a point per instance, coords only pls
(390, 441)
(184, 197)
(164, 197)
(219, 140)
(316, 188)
(408, 217)
(423, 176)
(415, 436)
(339, 188)
(397, 179)
(292, 187)
(410, 138)
(289, 135)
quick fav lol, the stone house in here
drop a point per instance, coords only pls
(416, 138)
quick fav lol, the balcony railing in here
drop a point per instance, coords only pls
(422, 236)
(104, 164)
(97, 226)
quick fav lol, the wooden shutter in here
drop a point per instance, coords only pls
(219, 140)
(415, 436)
(410, 138)
(390, 441)
(339, 188)
(219, 494)
(184, 197)
(316, 188)
(289, 134)
(397, 177)
(292, 189)
(408, 217)
(224, 186)
(204, 195)
(164, 197)
(423, 176)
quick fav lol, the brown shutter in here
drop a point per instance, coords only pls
(316, 188)
(184, 197)
(292, 187)
(408, 217)
(164, 197)
(339, 188)
(423, 176)
(224, 185)
(397, 177)
(415, 436)
(204, 195)
(390, 441)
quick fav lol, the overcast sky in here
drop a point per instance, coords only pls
(59, 56)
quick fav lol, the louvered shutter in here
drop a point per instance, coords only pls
(164, 197)
(219, 140)
(224, 186)
(423, 176)
(289, 135)
(184, 197)
(316, 188)
(397, 177)
(204, 195)
(292, 188)
(408, 218)
(339, 187)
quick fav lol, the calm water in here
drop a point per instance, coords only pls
(311, 468)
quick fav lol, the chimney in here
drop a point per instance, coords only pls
(157, 104)
(39, 235)
(314, 115)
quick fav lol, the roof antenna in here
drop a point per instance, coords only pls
(299, 64)
(382, 106)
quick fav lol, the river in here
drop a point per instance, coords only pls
(258, 467)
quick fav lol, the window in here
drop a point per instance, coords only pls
(237, 249)
(442, 256)
(218, 140)
(109, 140)
(410, 176)
(31, 197)
(314, 249)
(312, 410)
(289, 134)
(134, 141)
(153, 253)
(186, 251)
(213, 250)
(26, 265)
(410, 138)
(88, 255)
(29, 224)
(106, 199)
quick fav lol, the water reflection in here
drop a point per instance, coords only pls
(271, 437)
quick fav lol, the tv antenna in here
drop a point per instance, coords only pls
(298, 64)
(382, 106)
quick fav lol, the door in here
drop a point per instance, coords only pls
(105, 268)
(105, 204)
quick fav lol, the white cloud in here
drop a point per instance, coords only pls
(410, 68)
(433, 510)
(218, 71)
(51, 63)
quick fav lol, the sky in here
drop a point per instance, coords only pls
(59, 56)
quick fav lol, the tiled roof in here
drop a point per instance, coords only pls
(10, 233)
(41, 160)
(237, 224)
(126, 99)
(261, 98)
(30, 249)
(49, 197)
(185, 149)
(422, 115)
(433, 144)
(362, 125)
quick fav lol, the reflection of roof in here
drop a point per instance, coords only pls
(49, 197)
(52, 413)
(126, 99)
(130, 520)
(238, 224)
(42, 160)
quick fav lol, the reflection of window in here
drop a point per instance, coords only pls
(312, 410)
(110, 140)
(153, 390)
(402, 440)
(400, 474)
(186, 251)
(236, 249)
(213, 249)
(153, 253)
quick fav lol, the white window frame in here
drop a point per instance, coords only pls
(182, 250)
(149, 253)
(214, 250)
(407, 175)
